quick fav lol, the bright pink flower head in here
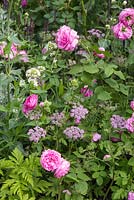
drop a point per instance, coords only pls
(100, 55)
(30, 103)
(66, 38)
(86, 91)
(24, 3)
(131, 196)
(127, 16)
(132, 104)
(96, 137)
(122, 32)
(63, 169)
(130, 124)
(23, 56)
(50, 160)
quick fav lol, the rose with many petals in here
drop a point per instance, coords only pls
(30, 103)
(127, 16)
(63, 169)
(66, 38)
(50, 160)
(122, 32)
(131, 196)
(130, 124)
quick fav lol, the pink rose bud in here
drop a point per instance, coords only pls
(106, 156)
(41, 104)
(100, 55)
(30, 103)
(96, 137)
(24, 3)
(66, 38)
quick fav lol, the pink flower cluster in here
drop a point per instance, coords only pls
(66, 38)
(51, 160)
(78, 112)
(57, 118)
(36, 134)
(96, 137)
(13, 52)
(118, 122)
(86, 91)
(123, 29)
(74, 132)
(131, 196)
(96, 32)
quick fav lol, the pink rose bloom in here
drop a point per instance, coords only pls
(132, 104)
(106, 156)
(50, 160)
(86, 91)
(96, 137)
(24, 56)
(100, 55)
(30, 103)
(130, 124)
(63, 169)
(66, 38)
(127, 16)
(131, 196)
(122, 32)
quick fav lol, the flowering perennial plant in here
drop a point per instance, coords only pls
(78, 112)
(36, 134)
(57, 118)
(74, 132)
(118, 122)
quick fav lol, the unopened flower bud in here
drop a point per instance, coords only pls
(124, 3)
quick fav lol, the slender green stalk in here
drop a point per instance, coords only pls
(84, 16)
(59, 189)
(9, 15)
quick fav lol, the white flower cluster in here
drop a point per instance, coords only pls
(34, 74)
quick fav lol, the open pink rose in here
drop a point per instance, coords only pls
(30, 103)
(122, 32)
(66, 38)
(127, 16)
(63, 169)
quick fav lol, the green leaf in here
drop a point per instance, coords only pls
(123, 89)
(81, 187)
(72, 176)
(83, 176)
(3, 109)
(99, 180)
(119, 74)
(76, 69)
(91, 68)
(108, 71)
(102, 94)
(112, 83)
(131, 161)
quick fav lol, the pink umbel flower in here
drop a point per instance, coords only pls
(100, 55)
(122, 32)
(118, 122)
(96, 137)
(50, 160)
(78, 112)
(127, 16)
(24, 3)
(57, 118)
(30, 103)
(131, 196)
(23, 56)
(132, 105)
(130, 124)
(74, 132)
(63, 168)
(86, 91)
(66, 38)
(36, 134)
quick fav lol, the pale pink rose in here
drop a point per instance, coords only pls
(132, 104)
(30, 103)
(106, 156)
(66, 38)
(100, 55)
(127, 16)
(130, 124)
(50, 160)
(96, 137)
(63, 169)
(24, 56)
(122, 32)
